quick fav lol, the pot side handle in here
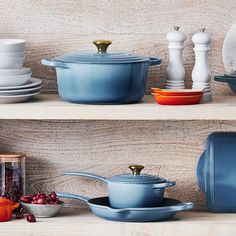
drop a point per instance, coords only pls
(72, 196)
(89, 175)
(53, 63)
(224, 79)
(155, 61)
(164, 185)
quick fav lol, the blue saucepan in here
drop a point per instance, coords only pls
(132, 190)
(101, 208)
(102, 77)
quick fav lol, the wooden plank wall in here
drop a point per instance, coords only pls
(54, 27)
(170, 149)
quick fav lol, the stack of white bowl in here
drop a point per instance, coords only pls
(16, 84)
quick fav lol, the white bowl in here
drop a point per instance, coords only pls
(42, 210)
(14, 72)
(11, 63)
(6, 81)
(12, 45)
(4, 55)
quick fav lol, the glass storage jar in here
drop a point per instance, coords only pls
(12, 175)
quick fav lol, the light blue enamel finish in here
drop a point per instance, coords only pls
(216, 172)
(102, 83)
(124, 194)
(227, 79)
(101, 208)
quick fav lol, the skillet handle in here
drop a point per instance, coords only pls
(184, 206)
(53, 63)
(84, 174)
(164, 185)
(155, 61)
(72, 196)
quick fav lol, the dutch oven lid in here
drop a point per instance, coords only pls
(136, 177)
(101, 56)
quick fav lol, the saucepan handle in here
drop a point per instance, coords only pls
(72, 196)
(53, 63)
(84, 174)
(164, 185)
(155, 61)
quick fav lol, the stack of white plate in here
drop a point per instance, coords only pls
(16, 84)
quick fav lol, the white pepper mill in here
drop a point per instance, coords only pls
(201, 75)
(175, 70)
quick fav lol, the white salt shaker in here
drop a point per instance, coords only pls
(201, 75)
(175, 69)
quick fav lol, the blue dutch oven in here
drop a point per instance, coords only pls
(132, 190)
(102, 77)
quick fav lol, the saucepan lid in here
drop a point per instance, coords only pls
(137, 177)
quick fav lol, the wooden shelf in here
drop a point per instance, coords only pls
(51, 107)
(84, 223)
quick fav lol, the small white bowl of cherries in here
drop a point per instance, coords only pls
(40, 205)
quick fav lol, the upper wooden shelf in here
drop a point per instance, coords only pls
(84, 223)
(51, 107)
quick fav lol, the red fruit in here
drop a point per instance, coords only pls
(19, 215)
(26, 199)
(30, 218)
(41, 201)
(53, 195)
(34, 202)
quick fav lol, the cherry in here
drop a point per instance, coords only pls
(31, 218)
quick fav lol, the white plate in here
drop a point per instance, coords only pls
(17, 80)
(33, 82)
(14, 72)
(16, 98)
(229, 50)
(20, 91)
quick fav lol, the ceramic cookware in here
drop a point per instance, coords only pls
(42, 211)
(216, 172)
(16, 80)
(177, 100)
(102, 77)
(101, 208)
(6, 208)
(177, 92)
(12, 45)
(230, 79)
(132, 190)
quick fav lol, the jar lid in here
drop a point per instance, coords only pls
(136, 177)
(11, 157)
(101, 56)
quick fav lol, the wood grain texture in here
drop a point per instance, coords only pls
(170, 149)
(84, 223)
(139, 26)
(51, 107)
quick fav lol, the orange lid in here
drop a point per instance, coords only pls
(5, 201)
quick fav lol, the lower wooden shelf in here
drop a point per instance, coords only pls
(84, 223)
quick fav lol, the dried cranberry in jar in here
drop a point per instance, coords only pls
(12, 176)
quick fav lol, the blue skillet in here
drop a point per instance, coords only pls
(100, 207)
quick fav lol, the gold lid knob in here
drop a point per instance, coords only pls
(136, 169)
(102, 45)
